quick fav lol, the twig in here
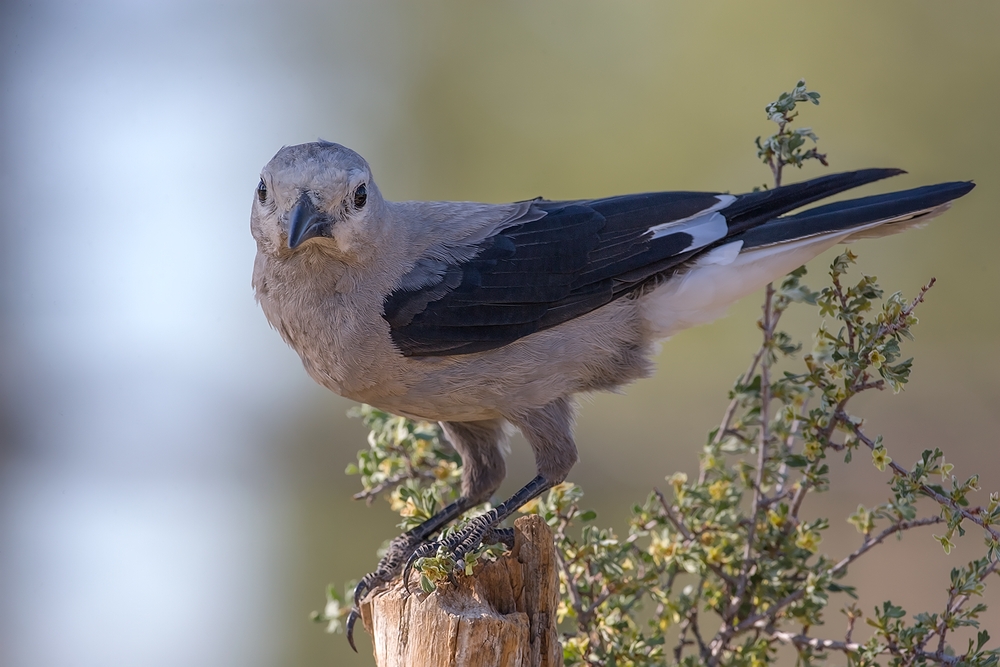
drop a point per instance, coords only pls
(900, 322)
(839, 291)
(690, 624)
(727, 416)
(702, 648)
(598, 601)
(939, 657)
(688, 536)
(804, 641)
(788, 444)
(761, 620)
(571, 587)
(851, 620)
(767, 322)
(955, 603)
(388, 484)
(891, 530)
(926, 490)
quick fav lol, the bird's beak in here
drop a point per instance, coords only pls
(305, 222)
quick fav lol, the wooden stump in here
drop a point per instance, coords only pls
(502, 616)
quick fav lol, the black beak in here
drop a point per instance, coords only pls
(305, 222)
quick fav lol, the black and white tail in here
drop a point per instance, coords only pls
(764, 247)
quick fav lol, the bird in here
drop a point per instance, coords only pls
(485, 316)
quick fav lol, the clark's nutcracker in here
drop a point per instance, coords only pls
(482, 315)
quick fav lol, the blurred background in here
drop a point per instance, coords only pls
(171, 481)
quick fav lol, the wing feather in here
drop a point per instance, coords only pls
(548, 262)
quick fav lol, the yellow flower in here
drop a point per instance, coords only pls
(881, 458)
(812, 450)
(714, 555)
(661, 547)
(717, 490)
(444, 470)
(823, 350)
(862, 520)
(563, 611)
(408, 509)
(808, 540)
(530, 507)
(876, 358)
(396, 503)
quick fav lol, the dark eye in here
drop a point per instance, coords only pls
(261, 192)
(360, 196)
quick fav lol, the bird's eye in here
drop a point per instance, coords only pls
(360, 196)
(261, 192)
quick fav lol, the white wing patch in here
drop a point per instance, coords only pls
(723, 255)
(705, 227)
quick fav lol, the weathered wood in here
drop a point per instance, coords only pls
(502, 616)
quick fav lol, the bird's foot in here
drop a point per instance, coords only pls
(398, 553)
(461, 543)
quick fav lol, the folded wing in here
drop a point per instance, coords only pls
(561, 260)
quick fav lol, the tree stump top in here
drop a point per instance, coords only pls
(502, 615)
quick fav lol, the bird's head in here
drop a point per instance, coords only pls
(315, 196)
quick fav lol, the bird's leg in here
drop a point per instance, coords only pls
(479, 444)
(481, 530)
(549, 432)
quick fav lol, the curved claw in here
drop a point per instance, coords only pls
(407, 568)
(360, 590)
(352, 618)
(359, 593)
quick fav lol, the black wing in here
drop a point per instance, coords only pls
(570, 258)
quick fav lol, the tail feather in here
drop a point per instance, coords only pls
(856, 213)
(755, 208)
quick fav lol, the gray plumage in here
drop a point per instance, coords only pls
(482, 315)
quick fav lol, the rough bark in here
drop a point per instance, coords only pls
(503, 615)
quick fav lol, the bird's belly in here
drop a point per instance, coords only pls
(599, 351)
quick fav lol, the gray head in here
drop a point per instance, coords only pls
(317, 196)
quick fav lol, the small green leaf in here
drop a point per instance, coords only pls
(796, 461)
(946, 543)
